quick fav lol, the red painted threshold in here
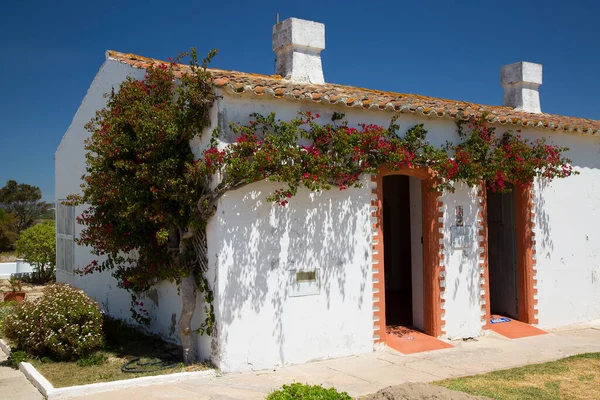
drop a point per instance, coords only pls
(409, 341)
(513, 329)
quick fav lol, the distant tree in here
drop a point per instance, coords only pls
(48, 214)
(37, 246)
(8, 236)
(23, 201)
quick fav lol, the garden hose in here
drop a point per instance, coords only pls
(154, 364)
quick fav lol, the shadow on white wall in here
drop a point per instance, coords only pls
(263, 244)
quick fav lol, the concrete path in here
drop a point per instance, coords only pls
(14, 385)
(362, 374)
(371, 372)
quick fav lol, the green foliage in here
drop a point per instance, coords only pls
(48, 214)
(3, 216)
(23, 201)
(337, 156)
(63, 324)
(8, 235)
(16, 284)
(6, 307)
(299, 391)
(37, 246)
(141, 185)
(483, 155)
(16, 357)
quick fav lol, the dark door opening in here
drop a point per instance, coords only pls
(397, 251)
(502, 247)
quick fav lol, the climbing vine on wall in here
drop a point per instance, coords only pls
(484, 155)
(334, 154)
(141, 189)
(148, 199)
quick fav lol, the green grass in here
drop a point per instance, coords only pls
(63, 374)
(576, 377)
(122, 344)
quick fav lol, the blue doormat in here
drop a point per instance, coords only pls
(499, 320)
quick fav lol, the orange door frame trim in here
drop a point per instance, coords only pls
(432, 252)
(524, 226)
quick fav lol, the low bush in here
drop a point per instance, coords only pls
(6, 308)
(63, 324)
(37, 246)
(15, 358)
(299, 391)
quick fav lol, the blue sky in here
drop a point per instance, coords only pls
(51, 51)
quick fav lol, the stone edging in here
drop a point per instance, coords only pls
(50, 392)
(4, 347)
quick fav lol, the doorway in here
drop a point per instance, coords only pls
(509, 241)
(403, 251)
(426, 228)
(502, 247)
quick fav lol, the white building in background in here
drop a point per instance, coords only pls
(18, 267)
(327, 275)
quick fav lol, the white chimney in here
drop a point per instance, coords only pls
(298, 44)
(521, 82)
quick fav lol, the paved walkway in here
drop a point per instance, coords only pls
(371, 372)
(14, 385)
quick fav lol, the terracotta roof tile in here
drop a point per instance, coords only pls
(274, 85)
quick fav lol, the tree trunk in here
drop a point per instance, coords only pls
(188, 306)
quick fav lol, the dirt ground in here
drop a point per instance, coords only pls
(8, 257)
(420, 391)
(32, 292)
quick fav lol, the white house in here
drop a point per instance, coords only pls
(310, 281)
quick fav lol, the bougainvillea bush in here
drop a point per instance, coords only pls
(483, 155)
(148, 199)
(337, 156)
(63, 324)
(141, 189)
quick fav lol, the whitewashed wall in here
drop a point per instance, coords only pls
(567, 234)
(260, 246)
(260, 325)
(462, 292)
(236, 108)
(17, 267)
(164, 304)
(254, 246)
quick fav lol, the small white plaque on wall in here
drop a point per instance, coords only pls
(304, 283)
(462, 237)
